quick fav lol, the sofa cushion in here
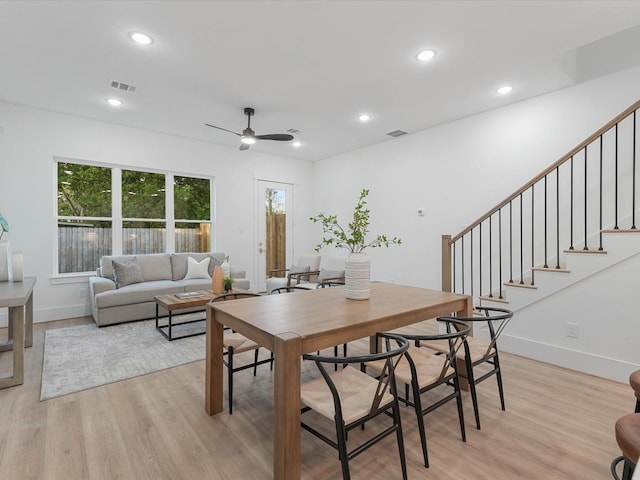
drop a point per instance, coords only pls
(106, 268)
(137, 293)
(179, 262)
(155, 266)
(126, 273)
(216, 259)
(197, 269)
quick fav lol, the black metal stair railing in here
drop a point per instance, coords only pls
(595, 186)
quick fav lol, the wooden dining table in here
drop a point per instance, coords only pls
(293, 324)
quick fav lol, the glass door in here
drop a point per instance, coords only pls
(275, 228)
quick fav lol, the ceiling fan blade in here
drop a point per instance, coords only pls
(244, 146)
(283, 137)
(223, 129)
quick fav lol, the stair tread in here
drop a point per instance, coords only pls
(516, 283)
(621, 230)
(552, 268)
(494, 299)
(582, 250)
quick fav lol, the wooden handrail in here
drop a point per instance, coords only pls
(550, 169)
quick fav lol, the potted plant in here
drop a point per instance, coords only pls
(228, 284)
(354, 239)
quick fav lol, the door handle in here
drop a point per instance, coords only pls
(262, 250)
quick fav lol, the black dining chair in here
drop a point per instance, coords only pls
(349, 398)
(423, 370)
(236, 343)
(478, 351)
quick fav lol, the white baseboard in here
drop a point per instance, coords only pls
(50, 314)
(605, 367)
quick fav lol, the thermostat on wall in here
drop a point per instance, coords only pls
(421, 212)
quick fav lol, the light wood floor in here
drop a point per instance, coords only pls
(559, 424)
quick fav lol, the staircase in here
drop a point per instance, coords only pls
(545, 251)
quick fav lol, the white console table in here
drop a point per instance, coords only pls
(18, 297)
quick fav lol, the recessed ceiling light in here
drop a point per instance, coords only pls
(140, 38)
(364, 117)
(426, 55)
(296, 144)
(504, 90)
(114, 102)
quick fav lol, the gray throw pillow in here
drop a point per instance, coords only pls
(213, 262)
(333, 274)
(126, 273)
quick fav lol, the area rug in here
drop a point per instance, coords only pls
(82, 357)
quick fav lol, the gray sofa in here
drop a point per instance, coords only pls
(161, 273)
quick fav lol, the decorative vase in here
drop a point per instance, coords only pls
(357, 276)
(5, 260)
(217, 280)
(17, 267)
(226, 268)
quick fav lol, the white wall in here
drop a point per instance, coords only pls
(459, 171)
(32, 138)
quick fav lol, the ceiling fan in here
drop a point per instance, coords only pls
(248, 137)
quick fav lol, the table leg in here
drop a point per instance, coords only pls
(16, 319)
(467, 311)
(213, 365)
(28, 322)
(286, 408)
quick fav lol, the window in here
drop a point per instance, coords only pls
(105, 210)
(192, 211)
(144, 222)
(84, 216)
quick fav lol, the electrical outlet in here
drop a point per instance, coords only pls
(573, 331)
(83, 293)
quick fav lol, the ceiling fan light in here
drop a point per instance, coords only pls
(141, 38)
(426, 55)
(504, 90)
(247, 140)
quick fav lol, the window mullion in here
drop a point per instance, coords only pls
(170, 213)
(116, 210)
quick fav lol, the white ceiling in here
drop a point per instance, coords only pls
(309, 65)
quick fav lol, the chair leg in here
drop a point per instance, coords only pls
(629, 467)
(472, 389)
(342, 450)
(400, 438)
(230, 378)
(456, 387)
(255, 362)
(417, 402)
(499, 379)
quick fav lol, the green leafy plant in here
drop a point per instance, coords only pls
(4, 226)
(228, 283)
(354, 237)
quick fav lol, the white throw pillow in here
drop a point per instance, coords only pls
(197, 269)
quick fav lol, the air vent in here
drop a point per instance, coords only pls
(293, 131)
(123, 87)
(397, 133)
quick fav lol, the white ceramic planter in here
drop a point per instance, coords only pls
(357, 276)
(5, 260)
(17, 267)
